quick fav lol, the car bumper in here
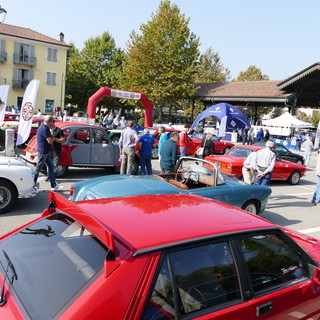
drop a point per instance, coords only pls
(29, 193)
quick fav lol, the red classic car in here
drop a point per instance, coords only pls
(232, 162)
(156, 257)
(85, 146)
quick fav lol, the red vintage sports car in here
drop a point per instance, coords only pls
(232, 162)
(156, 257)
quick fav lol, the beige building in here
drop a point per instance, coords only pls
(25, 55)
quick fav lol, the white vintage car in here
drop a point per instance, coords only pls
(16, 181)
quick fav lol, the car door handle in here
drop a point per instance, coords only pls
(264, 309)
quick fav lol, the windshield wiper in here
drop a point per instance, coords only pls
(10, 265)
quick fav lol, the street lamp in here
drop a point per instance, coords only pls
(4, 11)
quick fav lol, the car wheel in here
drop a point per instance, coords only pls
(115, 139)
(250, 206)
(8, 194)
(226, 150)
(135, 166)
(154, 153)
(299, 162)
(61, 171)
(294, 177)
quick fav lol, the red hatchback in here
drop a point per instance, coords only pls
(156, 257)
(232, 162)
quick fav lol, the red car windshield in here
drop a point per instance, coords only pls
(37, 254)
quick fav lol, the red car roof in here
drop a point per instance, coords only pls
(148, 221)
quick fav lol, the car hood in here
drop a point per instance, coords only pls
(224, 158)
(122, 185)
(11, 161)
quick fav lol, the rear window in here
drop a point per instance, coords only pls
(54, 259)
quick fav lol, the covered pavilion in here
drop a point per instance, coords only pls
(300, 90)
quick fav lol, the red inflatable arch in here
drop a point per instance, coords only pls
(115, 93)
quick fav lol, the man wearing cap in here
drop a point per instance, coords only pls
(127, 143)
(308, 147)
(263, 164)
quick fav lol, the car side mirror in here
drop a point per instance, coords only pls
(314, 273)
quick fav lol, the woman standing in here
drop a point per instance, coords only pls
(207, 145)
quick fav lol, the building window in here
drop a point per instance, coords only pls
(24, 54)
(49, 105)
(21, 78)
(51, 78)
(52, 54)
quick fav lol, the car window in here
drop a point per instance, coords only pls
(239, 152)
(204, 277)
(57, 259)
(281, 149)
(80, 137)
(271, 261)
(100, 137)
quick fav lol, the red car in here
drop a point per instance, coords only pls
(156, 257)
(11, 117)
(232, 162)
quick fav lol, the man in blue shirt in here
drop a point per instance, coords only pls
(146, 143)
(45, 151)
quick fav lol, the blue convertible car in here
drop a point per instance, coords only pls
(191, 176)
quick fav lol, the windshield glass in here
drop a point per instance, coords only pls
(199, 169)
(54, 259)
(239, 152)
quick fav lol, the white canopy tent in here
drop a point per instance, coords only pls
(283, 125)
(286, 120)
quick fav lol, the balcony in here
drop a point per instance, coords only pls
(20, 84)
(24, 59)
(3, 56)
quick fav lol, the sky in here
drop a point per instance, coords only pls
(280, 37)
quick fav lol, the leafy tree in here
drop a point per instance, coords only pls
(98, 64)
(210, 68)
(315, 118)
(162, 60)
(252, 74)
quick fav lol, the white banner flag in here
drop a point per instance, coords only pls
(27, 110)
(317, 141)
(4, 90)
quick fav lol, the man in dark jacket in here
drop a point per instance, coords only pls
(169, 153)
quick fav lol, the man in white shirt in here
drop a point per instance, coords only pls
(308, 147)
(264, 163)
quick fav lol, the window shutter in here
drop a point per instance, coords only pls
(31, 75)
(16, 53)
(54, 55)
(54, 76)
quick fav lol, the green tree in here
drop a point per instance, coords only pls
(98, 64)
(315, 118)
(211, 69)
(162, 60)
(252, 74)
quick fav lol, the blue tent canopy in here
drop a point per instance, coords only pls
(229, 116)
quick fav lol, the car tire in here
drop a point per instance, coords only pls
(226, 150)
(299, 162)
(294, 177)
(251, 206)
(154, 153)
(61, 171)
(8, 194)
(115, 139)
(135, 166)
